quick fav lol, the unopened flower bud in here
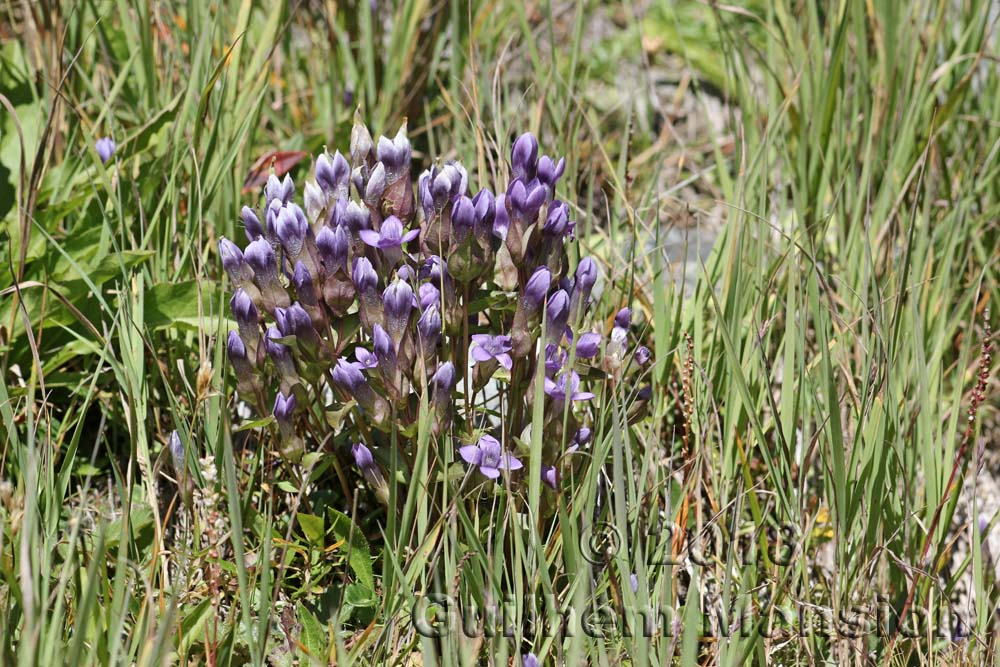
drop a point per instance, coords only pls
(429, 329)
(332, 245)
(376, 185)
(524, 156)
(332, 174)
(398, 299)
(372, 473)
(236, 267)
(537, 288)
(242, 366)
(428, 295)
(292, 446)
(549, 173)
(292, 227)
(105, 147)
(557, 316)
(588, 345)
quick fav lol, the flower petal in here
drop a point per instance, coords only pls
(480, 353)
(369, 236)
(582, 396)
(410, 235)
(511, 463)
(490, 472)
(471, 454)
(505, 361)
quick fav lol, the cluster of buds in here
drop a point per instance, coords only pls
(378, 294)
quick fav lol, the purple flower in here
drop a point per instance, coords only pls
(444, 378)
(237, 350)
(582, 437)
(348, 376)
(489, 456)
(332, 245)
(398, 300)
(549, 477)
(291, 228)
(251, 223)
(176, 447)
(405, 272)
(260, 256)
(643, 355)
(557, 313)
(232, 261)
(429, 328)
(283, 190)
(429, 295)
(333, 174)
(303, 283)
(549, 172)
(623, 318)
(385, 351)
(566, 386)
(524, 156)
(284, 408)
(438, 186)
(271, 212)
(501, 218)
(537, 287)
(356, 217)
(588, 345)
(486, 347)
(390, 235)
(586, 275)
(555, 359)
(376, 184)
(463, 216)
(394, 153)
(244, 311)
(364, 275)
(557, 222)
(485, 213)
(299, 324)
(529, 660)
(363, 457)
(634, 581)
(433, 269)
(279, 352)
(372, 473)
(365, 358)
(105, 148)
(526, 199)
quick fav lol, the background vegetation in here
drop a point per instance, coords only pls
(825, 377)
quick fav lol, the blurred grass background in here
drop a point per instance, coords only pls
(817, 373)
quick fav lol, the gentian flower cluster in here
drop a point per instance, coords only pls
(381, 305)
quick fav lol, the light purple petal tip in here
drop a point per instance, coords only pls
(471, 454)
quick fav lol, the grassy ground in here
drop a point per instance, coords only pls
(818, 397)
